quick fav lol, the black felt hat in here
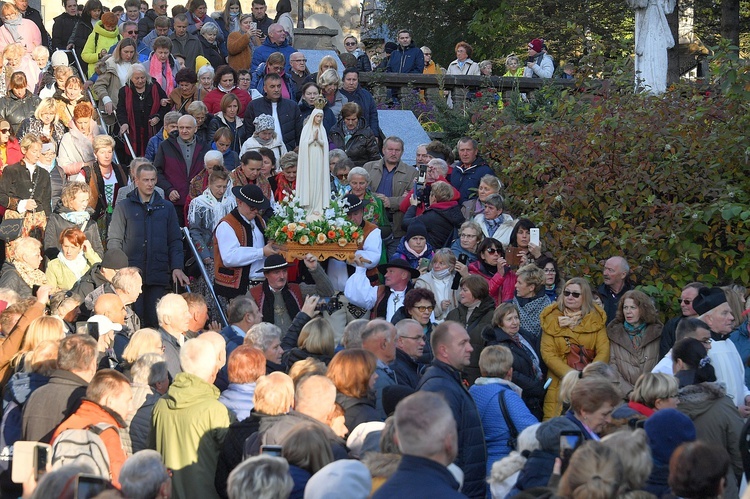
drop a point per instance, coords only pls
(708, 299)
(251, 195)
(274, 262)
(399, 264)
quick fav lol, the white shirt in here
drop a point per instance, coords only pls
(276, 122)
(361, 293)
(664, 365)
(371, 250)
(234, 255)
(239, 331)
(729, 369)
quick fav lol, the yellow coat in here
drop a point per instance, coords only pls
(61, 277)
(591, 333)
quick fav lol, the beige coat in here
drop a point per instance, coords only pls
(628, 361)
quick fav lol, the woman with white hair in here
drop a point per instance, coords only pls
(329, 83)
(205, 81)
(141, 106)
(213, 51)
(20, 272)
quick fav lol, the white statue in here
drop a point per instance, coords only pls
(652, 39)
(313, 174)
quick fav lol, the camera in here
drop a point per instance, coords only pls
(329, 304)
(422, 177)
(531, 60)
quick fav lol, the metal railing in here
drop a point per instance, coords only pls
(204, 273)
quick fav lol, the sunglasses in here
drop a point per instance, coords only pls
(5, 130)
(131, 32)
(350, 44)
(492, 251)
(342, 176)
(428, 308)
(575, 294)
(685, 302)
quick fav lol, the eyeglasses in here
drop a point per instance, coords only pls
(469, 236)
(707, 341)
(575, 294)
(684, 302)
(422, 309)
(550, 271)
(131, 32)
(342, 176)
(350, 44)
(5, 130)
(421, 337)
(492, 251)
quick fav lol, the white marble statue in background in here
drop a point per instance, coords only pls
(652, 39)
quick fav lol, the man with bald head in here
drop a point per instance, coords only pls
(218, 344)
(615, 284)
(178, 160)
(275, 42)
(174, 316)
(314, 402)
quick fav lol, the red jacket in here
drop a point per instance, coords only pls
(13, 153)
(213, 100)
(173, 172)
(404, 204)
(90, 413)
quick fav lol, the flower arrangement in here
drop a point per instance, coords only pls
(292, 223)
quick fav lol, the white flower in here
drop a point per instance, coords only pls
(695, 216)
(668, 147)
(558, 198)
(330, 213)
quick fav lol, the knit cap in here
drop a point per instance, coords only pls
(536, 44)
(264, 122)
(416, 228)
(667, 429)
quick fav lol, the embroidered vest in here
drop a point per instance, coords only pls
(233, 281)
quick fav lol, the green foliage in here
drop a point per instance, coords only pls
(661, 180)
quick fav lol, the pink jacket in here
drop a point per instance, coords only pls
(29, 31)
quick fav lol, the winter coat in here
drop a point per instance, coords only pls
(329, 120)
(469, 68)
(628, 361)
(150, 235)
(420, 477)
(406, 369)
(34, 125)
(591, 333)
(56, 224)
(275, 434)
(213, 52)
(288, 114)
(91, 281)
(238, 48)
(189, 426)
(259, 79)
(260, 54)
(30, 35)
(153, 145)
(91, 413)
(79, 37)
(486, 393)
(146, 24)
(60, 276)
(610, 301)
(16, 184)
(494, 280)
(212, 100)
(472, 452)
(404, 254)
(502, 232)
(52, 403)
(529, 311)
(716, 421)
(13, 153)
(536, 472)
(108, 85)
(367, 102)
(239, 133)
(189, 48)
(479, 320)
(15, 109)
(357, 410)
(11, 279)
(63, 26)
(100, 39)
(174, 174)
(466, 178)
(740, 339)
(441, 220)
(238, 398)
(362, 145)
(406, 60)
(523, 366)
(139, 421)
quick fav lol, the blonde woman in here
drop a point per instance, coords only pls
(329, 83)
(143, 341)
(315, 340)
(44, 122)
(41, 329)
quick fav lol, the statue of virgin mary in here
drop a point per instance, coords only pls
(313, 175)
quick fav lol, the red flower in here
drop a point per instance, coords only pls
(479, 94)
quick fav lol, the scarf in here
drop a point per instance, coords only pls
(130, 93)
(206, 211)
(13, 25)
(239, 179)
(570, 319)
(161, 74)
(78, 266)
(635, 333)
(441, 274)
(32, 277)
(225, 90)
(78, 218)
(417, 255)
(493, 225)
(283, 188)
(290, 303)
(516, 339)
(486, 269)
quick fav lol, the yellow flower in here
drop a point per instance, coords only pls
(304, 239)
(360, 239)
(321, 238)
(342, 241)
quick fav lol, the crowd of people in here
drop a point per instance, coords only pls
(447, 357)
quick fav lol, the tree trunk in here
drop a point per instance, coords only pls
(730, 21)
(673, 54)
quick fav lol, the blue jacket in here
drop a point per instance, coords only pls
(259, 79)
(740, 339)
(150, 235)
(239, 399)
(260, 54)
(496, 433)
(466, 179)
(232, 338)
(472, 452)
(153, 145)
(413, 261)
(405, 60)
(368, 105)
(420, 477)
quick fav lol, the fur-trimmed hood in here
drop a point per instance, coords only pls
(697, 399)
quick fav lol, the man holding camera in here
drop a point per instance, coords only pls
(279, 300)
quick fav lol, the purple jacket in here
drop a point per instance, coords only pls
(173, 171)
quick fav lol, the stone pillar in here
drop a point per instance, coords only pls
(314, 39)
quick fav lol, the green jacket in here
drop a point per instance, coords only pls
(188, 429)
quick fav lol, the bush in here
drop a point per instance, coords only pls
(660, 180)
